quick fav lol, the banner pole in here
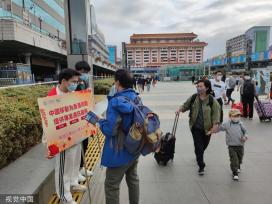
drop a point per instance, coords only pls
(85, 168)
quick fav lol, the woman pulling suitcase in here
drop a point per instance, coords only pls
(204, 117)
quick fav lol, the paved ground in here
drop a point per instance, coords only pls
(178, 183)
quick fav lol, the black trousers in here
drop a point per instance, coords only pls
(85, 147)
(220, 101)
(201, 142)
(248, 102)
(229, 92)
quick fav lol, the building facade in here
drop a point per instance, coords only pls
(236, 45)
(256, 39)
(97, 46)
(33, 34)
(260, 37)
(112, 53)
(156, 50)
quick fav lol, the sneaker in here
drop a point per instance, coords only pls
(236, 177)
(250, 118)
(201, 171)
(81, 178)
(89, 173)
(238, 171)
(79, 188)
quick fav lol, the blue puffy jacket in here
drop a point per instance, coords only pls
(112, 157)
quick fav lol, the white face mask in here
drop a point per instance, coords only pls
(219, 78)
(247, 77)
(236, 120)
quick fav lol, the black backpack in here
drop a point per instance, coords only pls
(248, 88)
(211, 98)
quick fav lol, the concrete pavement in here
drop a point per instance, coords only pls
(178, 182)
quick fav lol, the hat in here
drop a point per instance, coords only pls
(234, 112)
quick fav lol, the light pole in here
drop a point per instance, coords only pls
(228, 55)
(40, 24)
(248, 54)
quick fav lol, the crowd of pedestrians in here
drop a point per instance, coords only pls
(205, 108)
(140, 82)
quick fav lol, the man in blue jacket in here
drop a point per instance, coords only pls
(116, 158)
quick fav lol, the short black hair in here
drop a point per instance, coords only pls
(207, 84)
(67, 74)
(83, 65)
(218, 71)
(124, 78)
(246, 74)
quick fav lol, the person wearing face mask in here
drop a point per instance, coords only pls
(248, 92)
(66, 166)
(236, 135)
(115, 126)
(219, 88)
(84, 69)
(112, 90)
(204, 118)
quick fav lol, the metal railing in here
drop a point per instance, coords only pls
(26, 85)
(6, 83)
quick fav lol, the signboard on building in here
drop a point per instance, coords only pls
(24, 75)
(263, 79)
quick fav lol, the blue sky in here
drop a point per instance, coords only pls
(214, 21)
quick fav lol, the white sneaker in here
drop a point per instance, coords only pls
(81, 178)
(89, 173)
(238, 171)
(79, 188)
(235, 177)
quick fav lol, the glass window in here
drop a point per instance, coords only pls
(55, 6)
(78, 27)
(4, 13)
(39, 12)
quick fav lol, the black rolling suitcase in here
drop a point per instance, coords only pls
(167, 148)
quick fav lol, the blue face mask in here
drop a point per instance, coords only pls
(72, 87)
(84, 77)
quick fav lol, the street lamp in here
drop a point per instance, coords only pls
(34, 9)
(40, 23)
(58, 34)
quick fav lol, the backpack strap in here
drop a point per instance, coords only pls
(211, 98)
(243, 131)
(192, 101)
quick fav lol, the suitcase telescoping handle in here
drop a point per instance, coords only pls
(175, 124)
